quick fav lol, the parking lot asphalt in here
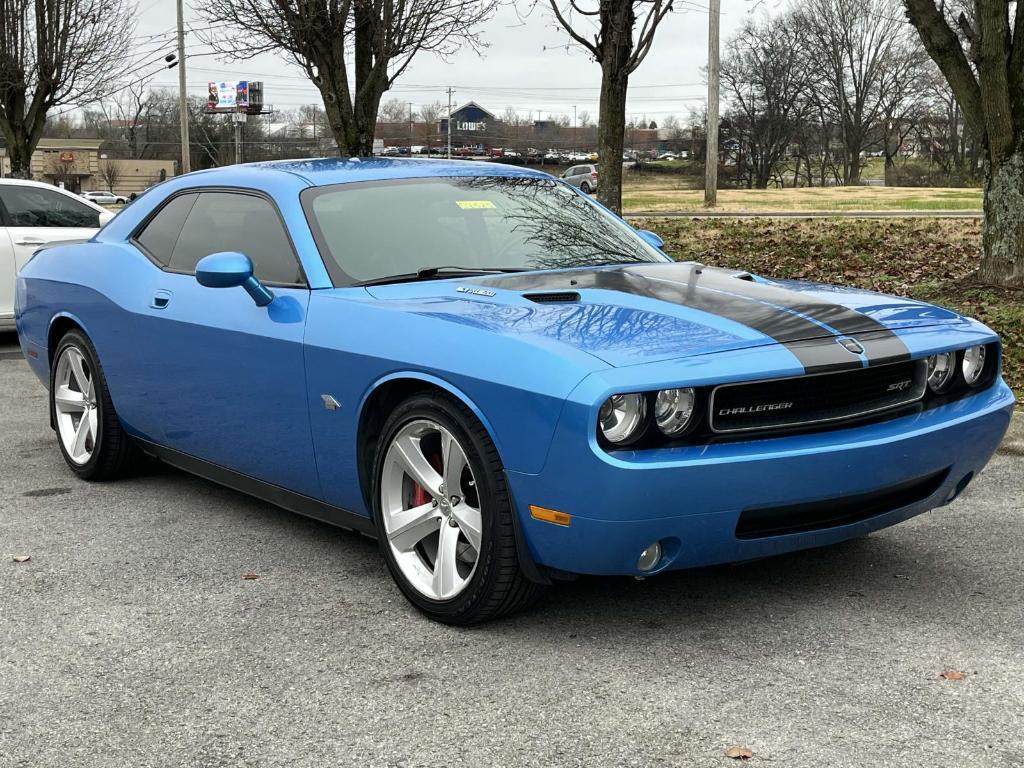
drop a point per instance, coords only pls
(131, 638)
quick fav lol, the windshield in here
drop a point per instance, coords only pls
(372, 231)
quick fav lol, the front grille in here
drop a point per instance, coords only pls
(815, 515)
(815, 399)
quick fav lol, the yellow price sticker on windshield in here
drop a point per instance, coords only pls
(474, 205)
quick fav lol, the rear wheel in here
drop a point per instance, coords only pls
(89, 434)
(444, 514)
(585, 187)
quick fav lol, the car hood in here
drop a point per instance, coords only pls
(626, 315)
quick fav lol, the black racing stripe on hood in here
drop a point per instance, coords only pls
(880, 344)
(726, 297)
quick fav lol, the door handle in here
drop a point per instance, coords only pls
(160, 300)
(29, 240)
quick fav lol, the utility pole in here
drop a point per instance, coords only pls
(186, 164)
(575, 146)
(410, 129)
(238, 118)
(711, 154)
(448, 122)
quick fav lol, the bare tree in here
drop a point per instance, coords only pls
(765, 77)
(431, 113)
(584, 119)
(54, 52)
(378, 39)
(110, 173)
(394, 111)
(981, 54)
(618, 34)
(854, 43)
(123, 115)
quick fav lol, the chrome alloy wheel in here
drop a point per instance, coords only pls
(74, 403)
(431, 509)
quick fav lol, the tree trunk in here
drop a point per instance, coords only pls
(611, 131)
(20, 154)
(20, 145)
(1002, 261)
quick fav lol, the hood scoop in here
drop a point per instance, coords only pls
(553, 297)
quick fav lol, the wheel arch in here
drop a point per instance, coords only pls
(388, 392)
(60, 324)
(382, 397)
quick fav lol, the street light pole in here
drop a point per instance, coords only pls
(575, 145)
(186, 164)
(448, 122)
(711, 153)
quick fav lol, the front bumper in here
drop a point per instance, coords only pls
(691, 498)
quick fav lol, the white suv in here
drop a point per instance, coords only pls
(33, 214)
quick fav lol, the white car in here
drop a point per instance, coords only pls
(34, 214)
(105, 198)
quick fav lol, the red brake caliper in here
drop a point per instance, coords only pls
(419, 493)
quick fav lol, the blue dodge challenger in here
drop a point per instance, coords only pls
(497, 378)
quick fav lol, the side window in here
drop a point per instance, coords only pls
(229, 221)
(161, 233)
(30, 206)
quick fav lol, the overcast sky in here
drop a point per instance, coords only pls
(525, 65)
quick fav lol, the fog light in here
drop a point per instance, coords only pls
(650, 557)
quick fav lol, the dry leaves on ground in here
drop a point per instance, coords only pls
(739, 753)
(954, 674)
(250, 576)
(21, 558)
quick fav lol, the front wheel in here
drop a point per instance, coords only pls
(444, 514)
(89, 434)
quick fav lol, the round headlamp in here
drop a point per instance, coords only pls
(973, 365)
(622, 418)
(673, 409)
(941, 368)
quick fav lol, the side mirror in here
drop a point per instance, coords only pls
(229, 269)
(651, 238)
(105, 217)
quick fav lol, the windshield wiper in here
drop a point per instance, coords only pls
(429, 273)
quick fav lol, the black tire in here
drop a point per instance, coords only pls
(584, 187)
(498, 586)
(114, 454)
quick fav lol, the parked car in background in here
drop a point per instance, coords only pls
(583, 177)
(34, 214)
(101, 197)
(495, 152)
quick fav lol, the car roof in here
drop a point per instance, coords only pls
(339, 170)
(30, 183)
(45, 185)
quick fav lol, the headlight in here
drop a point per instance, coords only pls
(673, 409)
(941, 368)
(973, 365)
(622, 417)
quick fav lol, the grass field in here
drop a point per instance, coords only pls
(928, 259)
(663, 194)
